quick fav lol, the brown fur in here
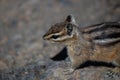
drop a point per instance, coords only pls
(81, 46)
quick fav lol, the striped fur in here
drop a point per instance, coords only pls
(98, 42)
(103, 34)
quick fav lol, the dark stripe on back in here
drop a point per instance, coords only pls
(105, 26)
(105, 36)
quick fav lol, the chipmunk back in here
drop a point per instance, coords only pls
(99, 42)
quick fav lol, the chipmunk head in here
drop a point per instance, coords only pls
(63, 31)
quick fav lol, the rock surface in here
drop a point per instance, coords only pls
(23, 53)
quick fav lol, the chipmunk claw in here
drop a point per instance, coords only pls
(110, 75)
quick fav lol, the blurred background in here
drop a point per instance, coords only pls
(23, 23)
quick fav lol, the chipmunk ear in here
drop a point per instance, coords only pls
(70, 18)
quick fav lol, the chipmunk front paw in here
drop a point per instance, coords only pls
(68, 71)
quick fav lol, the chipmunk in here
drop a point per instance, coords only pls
(99, 42)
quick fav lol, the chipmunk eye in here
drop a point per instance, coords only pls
(55, 36)
(69, 29)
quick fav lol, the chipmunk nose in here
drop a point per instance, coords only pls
(45, 37)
